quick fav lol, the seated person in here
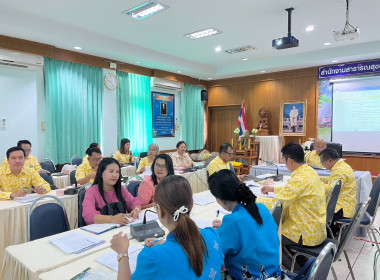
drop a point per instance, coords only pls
(180, 158)
(147, 161)
(124, 155)
(222, 161)
(188, 252)
(17, 179)
(248, 233)
(92, 145)
(107, 189)
(30, 161)
(87, 170)
(312, 158)
(346, 204)
(162, 167)
(303, 199)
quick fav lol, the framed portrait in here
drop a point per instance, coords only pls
(293, 118)
(163, 112)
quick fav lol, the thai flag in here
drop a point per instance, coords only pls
(242, 120)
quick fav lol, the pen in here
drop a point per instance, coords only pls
(156, 240)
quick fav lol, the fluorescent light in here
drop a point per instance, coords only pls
(240, 49)
(179, 71)
(309, 28)
(145, 10)
(262, 71)
(78, 48)
(244, 58)
(203, 33)
(218, 48)
(335, 61)
(209, 78)
(327, 44)
(137, 62)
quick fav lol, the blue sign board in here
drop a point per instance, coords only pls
(349, 69)
(163, 114)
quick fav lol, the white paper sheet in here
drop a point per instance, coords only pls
(100, 228)
(202, 223)
(147, 171)
(110, 260)
(202, 200)
(257, 191)
(76, 242)
(252, 183)
(264, 176)
(28, 198)
(149, 217)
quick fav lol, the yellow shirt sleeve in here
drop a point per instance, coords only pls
(143, 162)
(4, 195)
(37, 180)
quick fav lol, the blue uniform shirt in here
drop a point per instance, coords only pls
(169, 261)
(250, 249)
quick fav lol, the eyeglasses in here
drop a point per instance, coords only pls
(97, 159)
(230, 154)
(159, 166)
(27, 150)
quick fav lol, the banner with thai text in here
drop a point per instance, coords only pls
(163, 114)
(349, 69)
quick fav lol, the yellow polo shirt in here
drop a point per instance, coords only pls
(83, 170)
(30, 162)
(305, 205)
(143, 163)
(313, 159)
(217, 164)
(123, 158)
(347, 196)
(26, 179)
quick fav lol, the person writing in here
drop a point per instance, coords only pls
(86, 171)
(181, 158)
(17, 179)
(124, 154)
(107, 189)
(147, 161)
(162, 167)
(188, 252)
(248, 233)
(312, 158)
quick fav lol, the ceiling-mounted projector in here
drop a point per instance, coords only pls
(349, 32)
(289, 41)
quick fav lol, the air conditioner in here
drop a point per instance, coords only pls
(166, 84)
(21, 63)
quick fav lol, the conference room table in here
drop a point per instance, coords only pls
(39, 259)
(14, 219)
(61, 180)
(363, 178)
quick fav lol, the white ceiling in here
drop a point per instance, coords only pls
(100, 28)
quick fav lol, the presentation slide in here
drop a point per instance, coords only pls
(356, 115)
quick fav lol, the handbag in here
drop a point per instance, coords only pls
(113, 208)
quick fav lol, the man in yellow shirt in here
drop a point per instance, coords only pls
(304, 201)
(16, 179)
(222, 161)
(346, 205)
(86, 172)
(30, 161)
(312, 158)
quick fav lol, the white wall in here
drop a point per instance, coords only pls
(22, 104)
(169, 143)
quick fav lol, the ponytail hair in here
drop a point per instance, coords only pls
(175, 198)
(225, 185)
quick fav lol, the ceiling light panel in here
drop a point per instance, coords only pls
(240, 49)
(145, 10)
(203, 33)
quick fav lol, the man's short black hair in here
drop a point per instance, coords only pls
(19, 143)
(294, 151)
(329, 153)
(94, 150)
(14, 149)
(224, 147)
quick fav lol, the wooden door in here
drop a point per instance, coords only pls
(224, 120)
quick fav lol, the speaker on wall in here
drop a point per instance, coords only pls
(204, 95)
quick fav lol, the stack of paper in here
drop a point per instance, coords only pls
(110, 259)
(202, 200)
(100, 228)
(76, 242)
(257, 191)
(28, 198)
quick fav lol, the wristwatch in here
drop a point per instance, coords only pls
(122, 255)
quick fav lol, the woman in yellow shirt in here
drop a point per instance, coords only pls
(147, 161)
(124, 155)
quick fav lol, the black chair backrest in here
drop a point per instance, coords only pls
(335, 146)
(48, 165)
(321, 266)
(277, 212)
(351, 228)
(47, 219)
(49, 179)
(375, 196)
(133, 187)
(332, 200)
(81, 195)
(73, 180)
(144, 154)
(208, 160)
(76, 161)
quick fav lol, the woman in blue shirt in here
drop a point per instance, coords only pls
(248, 235)
(187, 253)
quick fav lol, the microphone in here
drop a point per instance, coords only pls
(268, 162)
(144, 230)
(144, 220)
(271, 163)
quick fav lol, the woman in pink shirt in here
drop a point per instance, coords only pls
(162, 166)
(107, 189)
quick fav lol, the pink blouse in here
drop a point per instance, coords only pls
(146, 191)
(93, 202)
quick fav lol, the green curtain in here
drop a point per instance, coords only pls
(134, 111)
(192, 117)
(73, 108)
